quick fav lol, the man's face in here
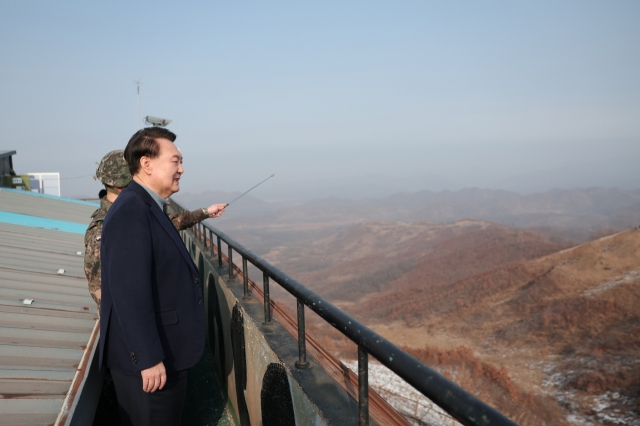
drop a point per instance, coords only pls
(166, 169)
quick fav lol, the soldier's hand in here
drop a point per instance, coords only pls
(215, 210)
(154, 378)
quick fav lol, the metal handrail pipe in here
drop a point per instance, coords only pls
(456, 401)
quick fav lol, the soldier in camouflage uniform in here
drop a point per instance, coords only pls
(114, 174)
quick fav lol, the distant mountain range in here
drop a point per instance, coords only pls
(586, 209)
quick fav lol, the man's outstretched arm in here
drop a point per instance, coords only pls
(186, 220)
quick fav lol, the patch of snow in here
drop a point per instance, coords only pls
(403, 397)
(607, 406)
(629, 277)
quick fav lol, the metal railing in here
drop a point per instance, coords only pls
(460, 404)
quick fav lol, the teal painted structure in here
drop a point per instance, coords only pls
(41, 222)
(53, 197)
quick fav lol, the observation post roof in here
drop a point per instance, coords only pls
(4, 153)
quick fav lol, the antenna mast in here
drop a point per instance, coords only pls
(138, 82)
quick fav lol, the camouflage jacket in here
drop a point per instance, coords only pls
(93, 235)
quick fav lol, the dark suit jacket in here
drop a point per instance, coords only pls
(152, 302)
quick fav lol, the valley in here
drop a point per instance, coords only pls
(540, 321)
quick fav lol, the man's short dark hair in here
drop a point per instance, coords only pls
(144, 143)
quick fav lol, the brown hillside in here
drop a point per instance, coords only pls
(566, 325)
(591, 273)
(388, 239)
(475, 248)
(380, 256)
(538, 326)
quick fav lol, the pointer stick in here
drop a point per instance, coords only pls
(253, 187)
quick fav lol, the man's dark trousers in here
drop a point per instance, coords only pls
(152, 304)
(140, 408)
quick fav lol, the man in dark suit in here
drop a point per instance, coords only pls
(152, 311)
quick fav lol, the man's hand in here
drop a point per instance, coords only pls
(215, 210)
(154, 378)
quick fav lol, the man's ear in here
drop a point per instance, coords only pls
(145, 165)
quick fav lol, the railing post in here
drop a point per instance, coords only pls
(363, 386)
(267, 302)
(302, 340)
(211, 242)
(245, 279)
(219, 253)
(230, 259)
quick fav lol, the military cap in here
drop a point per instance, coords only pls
(113, 170)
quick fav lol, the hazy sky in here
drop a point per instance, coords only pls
(424, 95)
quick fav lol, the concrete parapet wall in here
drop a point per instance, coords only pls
(255, 362)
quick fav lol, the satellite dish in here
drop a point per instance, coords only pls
(156, 121)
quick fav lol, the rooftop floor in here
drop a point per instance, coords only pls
(43, 345)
